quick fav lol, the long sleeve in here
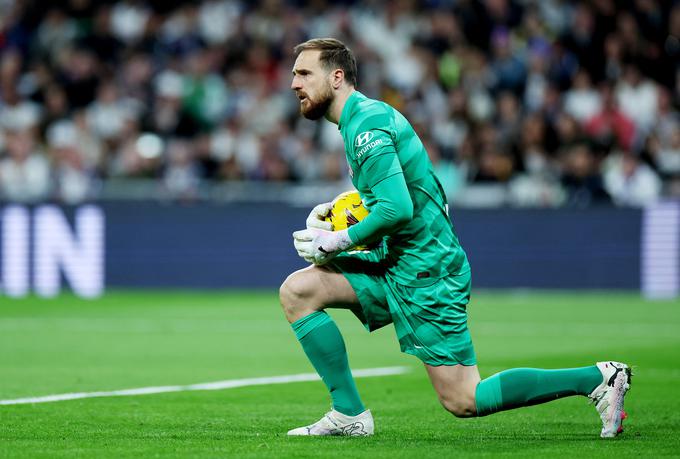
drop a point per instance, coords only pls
(394, 206)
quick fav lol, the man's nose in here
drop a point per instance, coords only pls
(295, 84)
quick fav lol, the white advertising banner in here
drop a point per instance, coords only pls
(39, 249)
(660, 265)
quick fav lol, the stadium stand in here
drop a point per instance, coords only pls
(521, 103)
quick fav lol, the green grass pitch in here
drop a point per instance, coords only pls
(139, 339)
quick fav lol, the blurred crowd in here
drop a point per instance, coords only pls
(519, 102)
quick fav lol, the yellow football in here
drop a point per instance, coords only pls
(347, 210)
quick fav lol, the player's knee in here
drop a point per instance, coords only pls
(296, 295)
(290, 292)
(460, 407)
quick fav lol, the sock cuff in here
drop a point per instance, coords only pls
(488, 395)
(303, 326)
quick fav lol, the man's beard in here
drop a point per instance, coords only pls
(317, 108)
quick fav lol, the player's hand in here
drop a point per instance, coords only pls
(317, 215)
(319, 246)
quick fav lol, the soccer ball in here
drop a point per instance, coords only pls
(347, 210)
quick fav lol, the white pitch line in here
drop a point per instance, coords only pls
(217, 385)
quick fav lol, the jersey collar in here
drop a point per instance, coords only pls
(351, 101)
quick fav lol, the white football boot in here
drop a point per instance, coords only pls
(608, 397)
(336, 423)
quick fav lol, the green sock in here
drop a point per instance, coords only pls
(530, 386)
(325, 348)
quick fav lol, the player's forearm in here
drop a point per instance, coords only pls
(393, 209)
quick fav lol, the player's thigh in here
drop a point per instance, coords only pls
(314, 288)
(455, 386)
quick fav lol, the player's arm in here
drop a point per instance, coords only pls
(383, 173)
(394, 206)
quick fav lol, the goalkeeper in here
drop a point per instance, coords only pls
(418, 278)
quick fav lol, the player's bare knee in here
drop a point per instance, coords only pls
(296, 296)
(295, 288)
(460, 407)
(290, 293)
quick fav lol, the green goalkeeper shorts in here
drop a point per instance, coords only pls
(430, 321)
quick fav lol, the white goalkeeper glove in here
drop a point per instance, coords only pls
(318, 214)
(319, 246)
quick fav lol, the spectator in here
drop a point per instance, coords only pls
(494, 166)
(508, 69)
(582, 101)
(272, 166)
(581, 178)
(613, 57)
(449, 175)
(638, 98)
(537, 78)
(667, 155)
(181, 175)
(55, 33)
(55, 104)
(78, 75)
(667, 118)
(100, 39)
(581, 38)
(611, 126)
(169, 118)
(205, 94)
(24, 172)
(109, 112)
(629, 181)
(508, 118)
(128, 20)
(74, 181)
(234, 143)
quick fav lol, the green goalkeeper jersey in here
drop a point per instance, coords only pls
(390, 167)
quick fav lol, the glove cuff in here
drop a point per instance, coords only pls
(344, 241)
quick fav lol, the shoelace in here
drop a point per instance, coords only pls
(330, 419)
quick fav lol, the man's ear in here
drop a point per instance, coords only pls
(337, 77)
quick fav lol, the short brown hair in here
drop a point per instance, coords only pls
(334, 55)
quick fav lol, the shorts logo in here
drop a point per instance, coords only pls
(363, 138)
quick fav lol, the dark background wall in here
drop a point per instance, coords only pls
(153, 245)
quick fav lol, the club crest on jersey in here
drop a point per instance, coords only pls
(363, 138)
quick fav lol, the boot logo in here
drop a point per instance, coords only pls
(356, 428)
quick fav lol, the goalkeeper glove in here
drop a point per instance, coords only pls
(317, 215)
(319, 246)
